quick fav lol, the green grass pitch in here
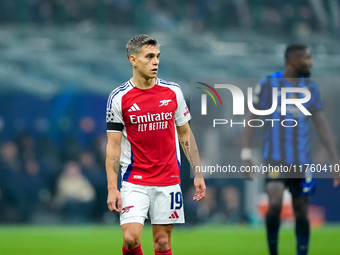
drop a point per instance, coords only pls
(103, 239)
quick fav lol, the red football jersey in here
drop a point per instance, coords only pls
(148, 118)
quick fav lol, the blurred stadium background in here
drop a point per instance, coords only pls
(60, 59)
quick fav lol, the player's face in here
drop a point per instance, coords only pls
(147, 61)
(304, 63)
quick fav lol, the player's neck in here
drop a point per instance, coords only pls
(143, 83)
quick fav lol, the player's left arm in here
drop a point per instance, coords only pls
(189, 146)
(325, 134)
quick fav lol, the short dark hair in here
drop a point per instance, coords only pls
(134, 46)
(292, 48)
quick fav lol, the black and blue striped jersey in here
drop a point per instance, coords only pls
(288, 145)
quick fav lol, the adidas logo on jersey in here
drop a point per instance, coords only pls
(174, 216)
(134, 108)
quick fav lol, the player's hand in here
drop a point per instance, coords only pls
(114, 201)
(200, 188)
(336, 175)
(248, 175)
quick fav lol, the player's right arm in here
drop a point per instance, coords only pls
(326, 136)
(113, 150)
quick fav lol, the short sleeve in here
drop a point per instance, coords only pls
(315, 101)
(182, 114)
(114, 119)
(261, 95)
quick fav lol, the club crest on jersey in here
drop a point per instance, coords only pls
(126, 209)
(164, 102)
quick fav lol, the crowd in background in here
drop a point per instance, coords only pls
(288, 16)
(42, 183)
(38, 176)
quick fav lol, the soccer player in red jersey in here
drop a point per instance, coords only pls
(146, 117)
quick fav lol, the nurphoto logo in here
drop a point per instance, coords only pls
(283, 100)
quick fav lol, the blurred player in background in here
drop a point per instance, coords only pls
(289, 145)
(146, 117)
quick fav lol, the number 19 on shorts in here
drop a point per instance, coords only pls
(176, 200)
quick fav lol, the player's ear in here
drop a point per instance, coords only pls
(295, 62)
(296, 59)
(132, 59)
(292, 61)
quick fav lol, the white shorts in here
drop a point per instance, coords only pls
(164, 204)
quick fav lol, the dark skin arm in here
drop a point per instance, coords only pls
(325, 134)
(247, 137)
